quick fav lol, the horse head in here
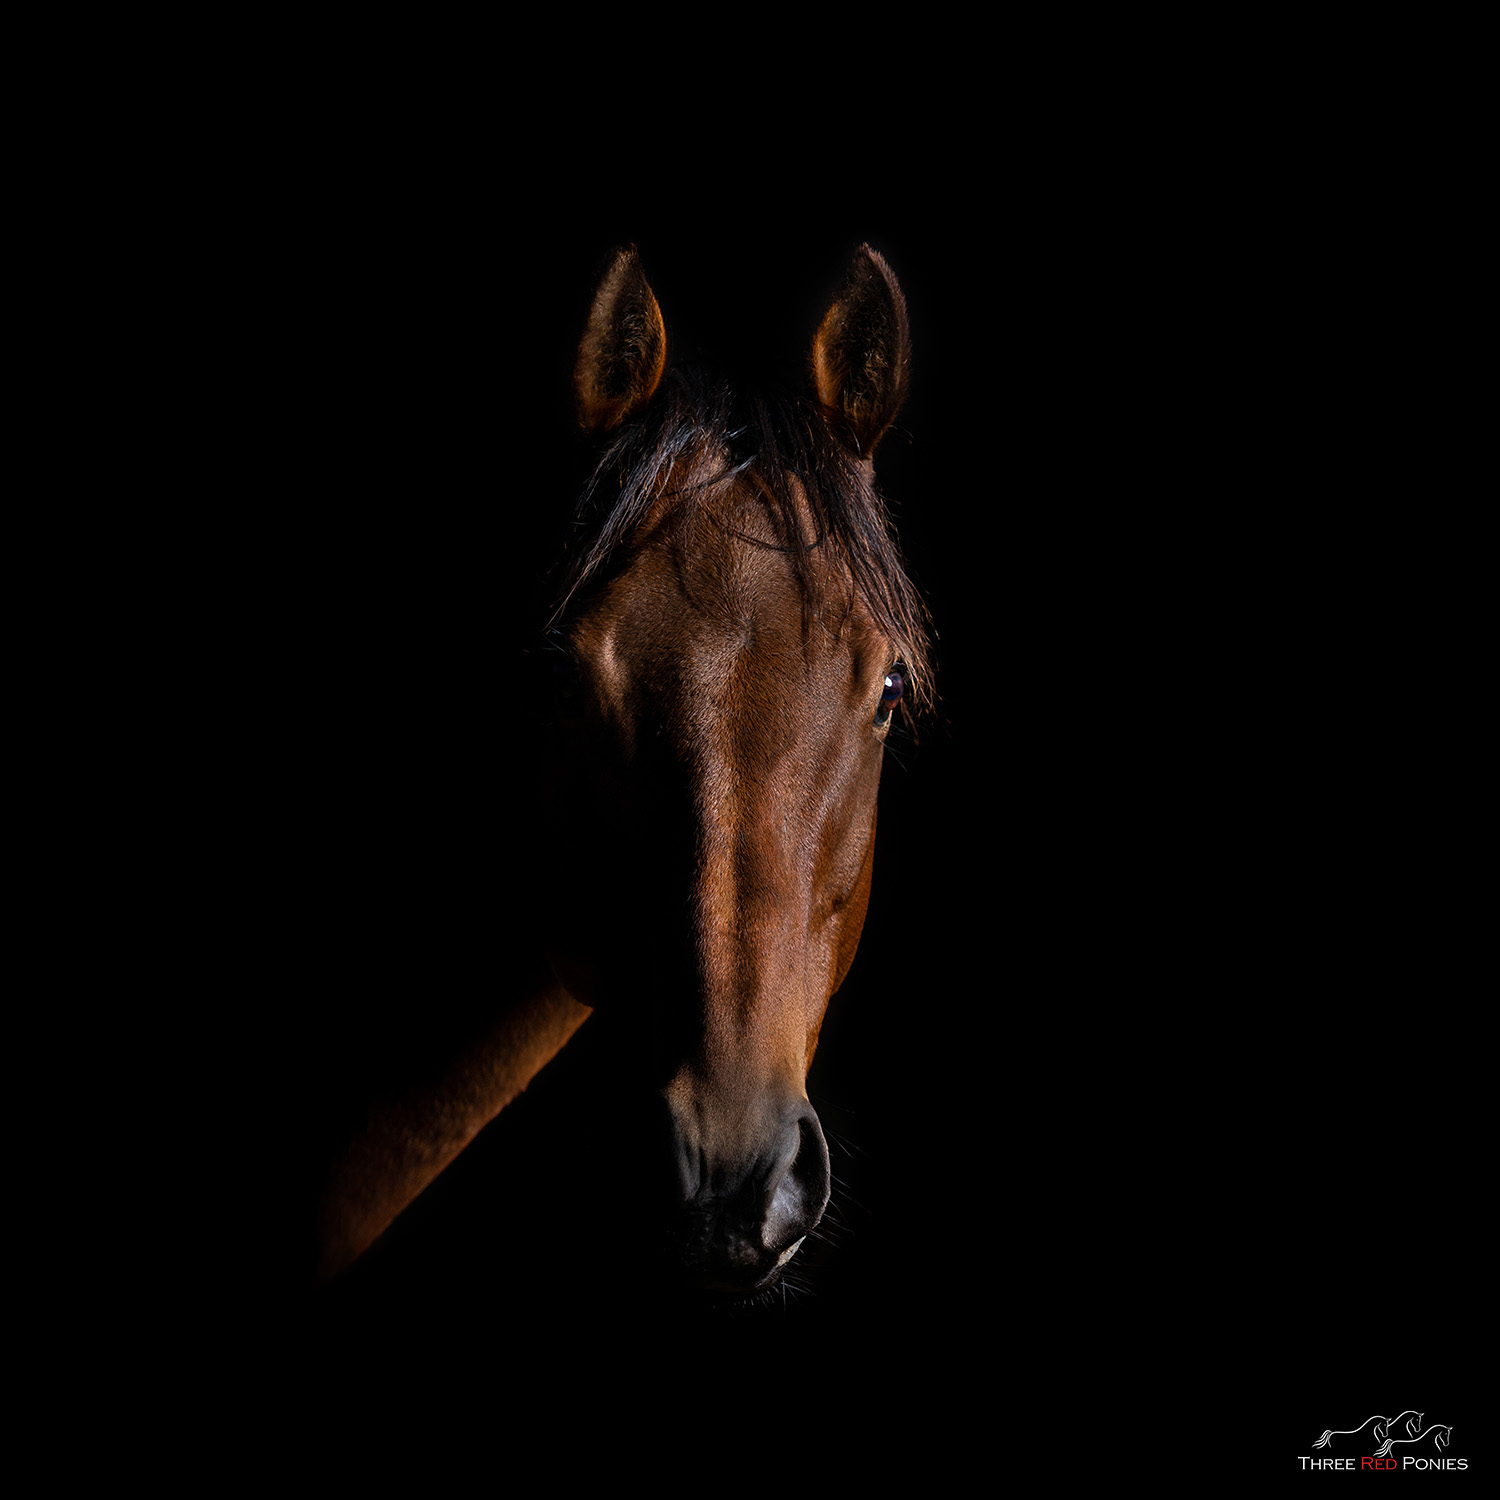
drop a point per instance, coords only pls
(735, 633)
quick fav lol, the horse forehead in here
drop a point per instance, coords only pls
(709, 601)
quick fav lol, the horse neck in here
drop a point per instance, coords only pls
(412, 1136)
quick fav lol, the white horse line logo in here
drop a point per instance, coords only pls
(1441, 1436)
(1384, 1429)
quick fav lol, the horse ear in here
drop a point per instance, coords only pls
(623, 353)
(862, 352)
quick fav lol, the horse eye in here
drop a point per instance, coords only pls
(890, 696)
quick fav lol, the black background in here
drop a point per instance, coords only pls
(1157, 1054)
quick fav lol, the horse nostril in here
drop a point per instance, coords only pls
(801, 1195)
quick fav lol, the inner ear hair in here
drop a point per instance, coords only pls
(623, 353)
(862, 352)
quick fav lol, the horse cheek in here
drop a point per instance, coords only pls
(851, 923)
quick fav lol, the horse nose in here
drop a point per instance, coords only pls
(744, 1219)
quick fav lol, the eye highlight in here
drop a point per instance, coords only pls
(890, 695)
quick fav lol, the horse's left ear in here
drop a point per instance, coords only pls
(862, 352)
(623, 352)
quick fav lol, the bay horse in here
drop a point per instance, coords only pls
(733, 635)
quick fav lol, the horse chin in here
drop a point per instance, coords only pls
(712, 1289)
(715, 1280)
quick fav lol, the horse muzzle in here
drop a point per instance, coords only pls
(742, 1215)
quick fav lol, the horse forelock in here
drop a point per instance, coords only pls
(700, 437)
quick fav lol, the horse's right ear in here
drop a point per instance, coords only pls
(623, 353)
